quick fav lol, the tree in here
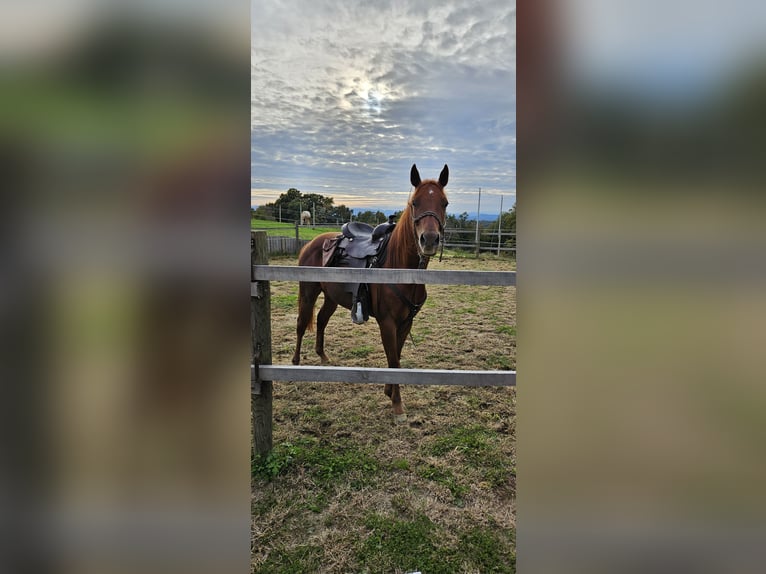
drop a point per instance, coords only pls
(263, 212)
(290, 204)
(507, 225)
(337, 214)
(454, 223)
(371, 217)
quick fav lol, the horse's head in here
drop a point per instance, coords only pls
(428, 206)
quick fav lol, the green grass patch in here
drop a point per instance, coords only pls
(324, 462)
(434, 359)
(471, 441)
(445, 477)
(275, 463)
(478, 448)
(416, 543)
(400, 464)
(297, 560)
(312, 413)
(486, 551)
(465, 311)
(499, 361)
(405, 545)
(498, 472)
(506, 330)
(317, 503)
(285, 302)
(275, 228)
(419, 334)
(362, 351)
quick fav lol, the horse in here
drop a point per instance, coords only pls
(414, 240)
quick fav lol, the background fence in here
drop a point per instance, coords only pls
(285, 245)
(489, 241)
(263, 372)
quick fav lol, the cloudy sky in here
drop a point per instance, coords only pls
(346, 96)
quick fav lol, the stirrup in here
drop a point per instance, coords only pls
(357, 315)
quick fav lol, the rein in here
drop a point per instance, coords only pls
(414, 307)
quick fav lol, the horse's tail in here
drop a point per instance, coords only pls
(303, 302)
(302, 299)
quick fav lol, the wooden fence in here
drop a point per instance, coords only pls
(285, 245)
(262, 372)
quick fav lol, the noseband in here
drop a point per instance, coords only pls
(431, 214)
(424, 258)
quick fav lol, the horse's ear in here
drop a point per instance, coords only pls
(414, 176)
(444, 176)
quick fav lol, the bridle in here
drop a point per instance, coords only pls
(431, 214)
(425, 258)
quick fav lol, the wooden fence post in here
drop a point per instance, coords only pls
(260, 324)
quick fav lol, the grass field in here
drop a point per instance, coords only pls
(348, 490)
(288, 229)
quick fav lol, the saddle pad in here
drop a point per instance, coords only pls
(328, 250)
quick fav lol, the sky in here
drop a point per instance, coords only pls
(346, 96)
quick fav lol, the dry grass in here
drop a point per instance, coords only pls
(348, 490)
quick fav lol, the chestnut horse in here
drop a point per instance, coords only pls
(416, 238)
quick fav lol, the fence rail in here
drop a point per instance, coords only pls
(349, 275)
(263, 372)
(470, 378)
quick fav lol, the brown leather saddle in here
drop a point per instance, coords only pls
(359, 245)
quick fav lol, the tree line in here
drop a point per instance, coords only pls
(289, 206)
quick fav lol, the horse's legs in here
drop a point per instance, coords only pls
(401, 337)
(388, 334)
(307, 296)
(328, 308)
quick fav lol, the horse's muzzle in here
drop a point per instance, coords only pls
(429, 242)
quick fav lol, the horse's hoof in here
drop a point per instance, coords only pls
(399, 419)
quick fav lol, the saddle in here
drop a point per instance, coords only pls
(359, 245)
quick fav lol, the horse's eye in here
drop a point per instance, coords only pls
(414, 204)
(446, 203)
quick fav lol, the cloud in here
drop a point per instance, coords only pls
(346, 96)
